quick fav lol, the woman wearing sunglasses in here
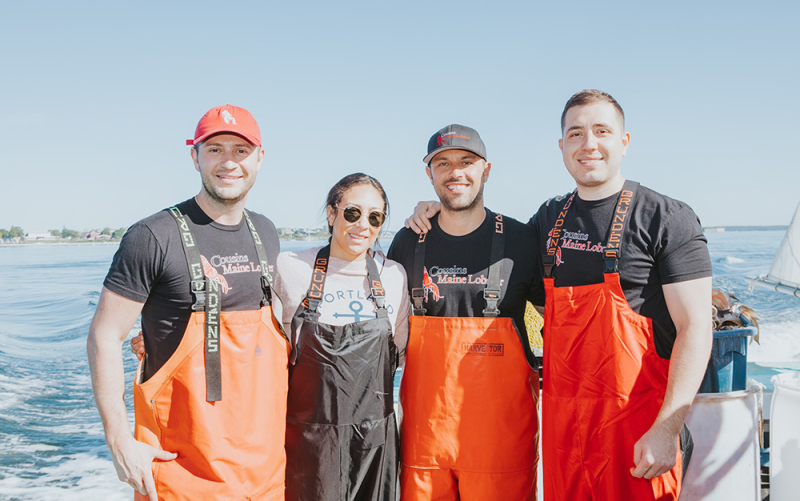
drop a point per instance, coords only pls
(346, 313)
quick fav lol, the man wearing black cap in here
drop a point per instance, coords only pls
(469, 388)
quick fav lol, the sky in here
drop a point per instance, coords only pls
(98, 99)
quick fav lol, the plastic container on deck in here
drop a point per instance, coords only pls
(727, 369)
(784, 434)
(725, 463)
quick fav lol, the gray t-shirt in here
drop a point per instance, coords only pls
(150, 267)
(346, 296)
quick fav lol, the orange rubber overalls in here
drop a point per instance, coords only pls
(469, 397)
(604, 383)
(228, 448)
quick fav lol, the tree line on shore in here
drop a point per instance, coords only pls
(17, 232)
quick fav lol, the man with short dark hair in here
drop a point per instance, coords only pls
(469, 390)
(626, 291)
(210, 396)
(627, 335)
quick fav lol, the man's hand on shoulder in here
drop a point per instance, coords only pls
(133, 462)
(419, 222)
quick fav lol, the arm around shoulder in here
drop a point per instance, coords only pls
(419, 221)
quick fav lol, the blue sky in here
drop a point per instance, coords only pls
(99, 98)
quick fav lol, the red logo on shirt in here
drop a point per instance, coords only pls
(428, 285)
(558, 250)
(212, 274)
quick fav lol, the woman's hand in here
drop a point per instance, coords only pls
(137, 345)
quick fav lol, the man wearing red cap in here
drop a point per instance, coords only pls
(210, 395)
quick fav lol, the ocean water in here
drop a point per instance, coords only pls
(51, 438)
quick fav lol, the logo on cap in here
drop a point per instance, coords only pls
(226, 115)
(442, 139)
(455, 136)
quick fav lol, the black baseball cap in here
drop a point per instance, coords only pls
(455, 137)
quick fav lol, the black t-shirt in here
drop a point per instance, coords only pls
(150, 267)
(459, 267)
(662, 244)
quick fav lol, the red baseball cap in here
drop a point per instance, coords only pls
(227, 118)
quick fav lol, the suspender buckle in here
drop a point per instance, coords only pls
(266, 289)
(313, 304)
(611, 258)
(199, 293)
(548, 262)
(380, 299)
(417, 294)
(492, 296)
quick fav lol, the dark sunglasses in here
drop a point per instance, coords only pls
(353, 214)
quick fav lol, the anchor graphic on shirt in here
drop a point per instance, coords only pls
(356, 308)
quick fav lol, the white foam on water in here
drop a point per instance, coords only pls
(780, 342)
(18, 445)
(81, 477)
(17, 390)
(733, 260)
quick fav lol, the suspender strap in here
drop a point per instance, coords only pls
(320, 273)
(315, 290)
(619, 222)
(313, 296)
(376, 287)
(192, 258)
(491, 293)
(549, 259)
(417, 293)
(208, 298)
(261, 252)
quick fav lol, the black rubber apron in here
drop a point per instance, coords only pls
(341, 432)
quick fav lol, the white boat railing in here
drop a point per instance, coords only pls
(763, 281)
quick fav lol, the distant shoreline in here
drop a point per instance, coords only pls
(283, 238)
(116, 242)
(45, 242)
(720, 229)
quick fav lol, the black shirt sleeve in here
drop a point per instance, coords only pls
(682, 251)
(136, 265)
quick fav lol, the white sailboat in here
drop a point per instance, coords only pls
(784, 273)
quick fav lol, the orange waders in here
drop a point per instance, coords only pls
(469, 397)
(604, 383)
(231, 448)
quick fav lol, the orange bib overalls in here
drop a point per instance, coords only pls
(469, 397)
(604, 383)
(231, 448)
